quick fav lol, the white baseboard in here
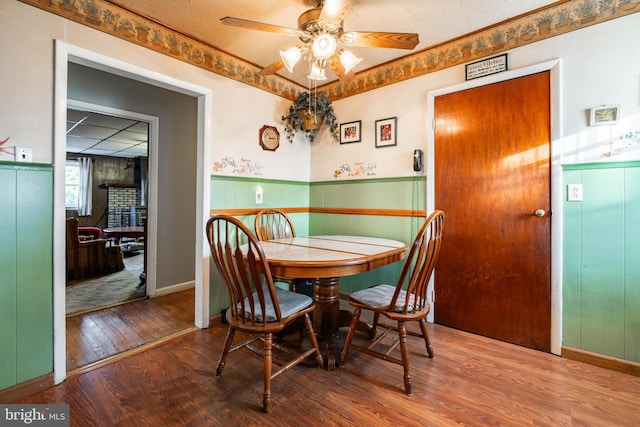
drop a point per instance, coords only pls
(174, 288)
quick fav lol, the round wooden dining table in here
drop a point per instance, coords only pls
(325, 259)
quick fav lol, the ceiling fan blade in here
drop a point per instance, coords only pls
(379, 39)
(333, 11)
(253, 25)
(272, 68)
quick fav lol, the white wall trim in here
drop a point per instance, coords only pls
(174, 288)
(64, 53)
(554, 66)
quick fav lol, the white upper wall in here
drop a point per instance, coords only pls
(27, 37)
(600, 65)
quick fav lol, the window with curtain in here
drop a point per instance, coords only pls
(71, 182)
(85, 183)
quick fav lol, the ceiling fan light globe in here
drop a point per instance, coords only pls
(290, 57)
(317, 73)
(324, 46)
(349, 60)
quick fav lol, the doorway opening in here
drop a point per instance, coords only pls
(192, 221)
(106, 257)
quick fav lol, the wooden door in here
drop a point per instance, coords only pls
(492, 172)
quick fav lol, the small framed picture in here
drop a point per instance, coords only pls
(386, 131)
(604, 115)
(350, 132)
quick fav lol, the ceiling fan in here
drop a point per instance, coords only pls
(320, 30)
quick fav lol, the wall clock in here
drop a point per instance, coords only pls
(269, 138)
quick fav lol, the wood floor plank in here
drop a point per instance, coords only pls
(472, 381)
(101, 334)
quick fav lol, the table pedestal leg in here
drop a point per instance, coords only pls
(327, 315)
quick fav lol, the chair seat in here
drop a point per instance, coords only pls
(379, 297)
(290, 303)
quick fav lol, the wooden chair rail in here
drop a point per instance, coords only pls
(339, 211)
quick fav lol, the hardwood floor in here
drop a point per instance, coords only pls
(103, 334)
(473, 381)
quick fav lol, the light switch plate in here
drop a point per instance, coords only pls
(259, 196)
(23, 154)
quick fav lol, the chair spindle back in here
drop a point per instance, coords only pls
(273, 224)
(420, 263)
(240, 260)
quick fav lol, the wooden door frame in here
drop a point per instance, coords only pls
(65, 53)
(554, 67)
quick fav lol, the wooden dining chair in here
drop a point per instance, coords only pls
(405, 302)
(257, 307)
(274, 224)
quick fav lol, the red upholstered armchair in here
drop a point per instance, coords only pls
(90, 233)
(90, 257)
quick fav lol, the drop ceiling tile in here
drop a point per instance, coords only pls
(137, 151)
(129, 137)
(75, 115)
(81, 142)
(92, 131)
(108, 121)
(112, 146)
(141, 127)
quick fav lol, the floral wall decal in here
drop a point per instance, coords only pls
(358, 169)
(6, 150)
(238, 167)
(617, 146)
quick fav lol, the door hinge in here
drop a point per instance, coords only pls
(433, 296)
(433, 124)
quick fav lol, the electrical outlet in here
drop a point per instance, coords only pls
(23, 154)
(574, 192)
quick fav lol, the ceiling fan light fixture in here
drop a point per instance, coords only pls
(317, 73)
(290, 57)
(324, 45)
(349, 60)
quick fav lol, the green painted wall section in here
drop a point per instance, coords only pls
(601, 260)
(26, 272)
(239, 193)
(395, 193)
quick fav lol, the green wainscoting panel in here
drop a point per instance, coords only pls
(393, 194)
(571, 269)
(602, 284)
(35, 284)
(234, 192)
(387, 193)
(601, 260)
(632, 265)
(8, 278)
(239, 193)
(26, 272)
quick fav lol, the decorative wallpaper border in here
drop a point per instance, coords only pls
(550, 21)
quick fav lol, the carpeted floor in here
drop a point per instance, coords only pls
(105, 291)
